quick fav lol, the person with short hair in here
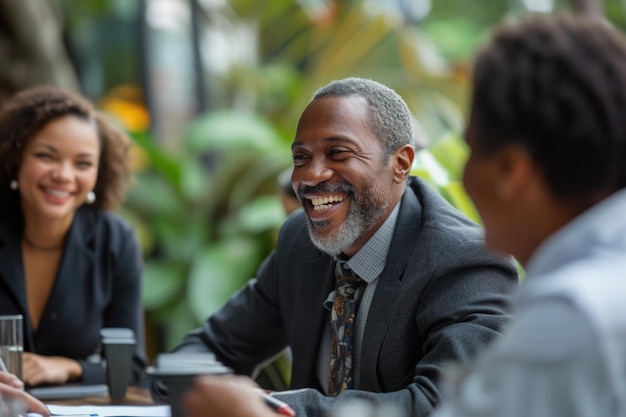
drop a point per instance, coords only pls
(547, 175)
(376, 283)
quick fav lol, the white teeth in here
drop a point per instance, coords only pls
(322, 203)
(57, 193)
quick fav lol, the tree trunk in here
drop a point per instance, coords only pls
(31, 47)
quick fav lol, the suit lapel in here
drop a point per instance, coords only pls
(317, 282)
(407, 228)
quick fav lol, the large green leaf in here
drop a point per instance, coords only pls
(217, 271)
(162, 160)
(451, 153)
(428, 167)
(163, 282)
(230, 130)
(181, 237)
(153, 195)
(195, 183)
(262, 214)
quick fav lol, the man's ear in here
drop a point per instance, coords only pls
(402, 161)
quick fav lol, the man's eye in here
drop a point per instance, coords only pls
(337, 152)
(299, 159)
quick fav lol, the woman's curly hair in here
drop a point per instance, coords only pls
(27, 112)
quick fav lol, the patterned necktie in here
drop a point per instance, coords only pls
(341, 328)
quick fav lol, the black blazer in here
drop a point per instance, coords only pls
(441, 297)
(98, 285)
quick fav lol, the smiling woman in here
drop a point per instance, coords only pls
(59, 169)
(63, 169)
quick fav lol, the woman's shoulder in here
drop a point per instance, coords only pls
(103, 223)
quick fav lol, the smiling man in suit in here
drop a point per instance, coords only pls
(426, 290)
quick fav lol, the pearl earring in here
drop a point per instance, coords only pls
(13, 184)
(90, 198)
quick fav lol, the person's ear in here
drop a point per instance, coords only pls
(402, 161)
(516, 171)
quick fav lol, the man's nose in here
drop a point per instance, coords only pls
(316, 172)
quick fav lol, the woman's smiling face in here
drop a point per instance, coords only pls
(59, 167)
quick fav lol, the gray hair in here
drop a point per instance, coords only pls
(390, 118)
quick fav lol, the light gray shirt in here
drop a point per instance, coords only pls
(564, 353)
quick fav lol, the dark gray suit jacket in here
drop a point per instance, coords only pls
(441, 297)
(98, 285)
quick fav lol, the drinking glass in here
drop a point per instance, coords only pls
(11, 344)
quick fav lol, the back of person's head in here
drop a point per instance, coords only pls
(556, 85)
(29, 111)
(390, 119)
(288, 196)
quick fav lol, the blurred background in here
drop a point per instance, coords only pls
(211, 91)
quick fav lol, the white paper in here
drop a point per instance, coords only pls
(107, 411)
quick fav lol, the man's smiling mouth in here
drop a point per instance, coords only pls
(323, 203)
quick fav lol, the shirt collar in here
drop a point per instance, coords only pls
(603, 225)
(370, 260)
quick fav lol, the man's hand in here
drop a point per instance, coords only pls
(49, 369)
(11, 387)
(225, 396)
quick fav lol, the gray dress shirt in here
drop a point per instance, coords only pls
(564, 353)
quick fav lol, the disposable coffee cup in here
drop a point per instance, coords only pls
(178, 371)
(11, 344)
(118, 345)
